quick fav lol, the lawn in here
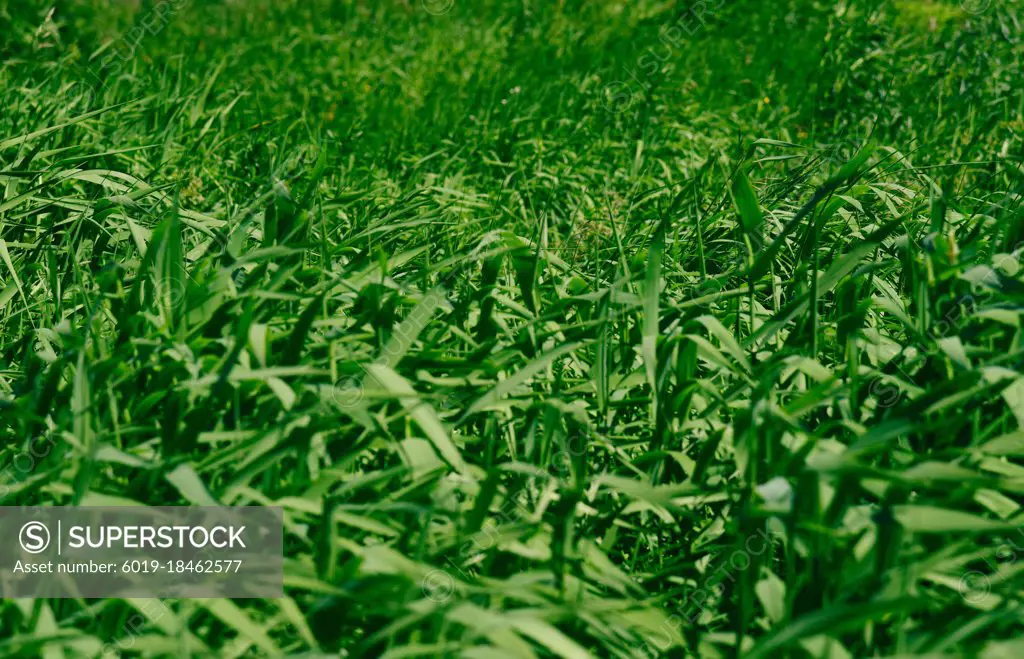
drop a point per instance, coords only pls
(556, 328)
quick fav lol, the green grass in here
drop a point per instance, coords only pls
(575, 329)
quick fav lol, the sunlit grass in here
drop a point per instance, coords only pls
(553, 332)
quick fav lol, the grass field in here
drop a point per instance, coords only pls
(558, 329)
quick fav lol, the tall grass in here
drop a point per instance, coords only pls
(556, 329)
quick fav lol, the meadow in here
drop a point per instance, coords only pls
(557, 329)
